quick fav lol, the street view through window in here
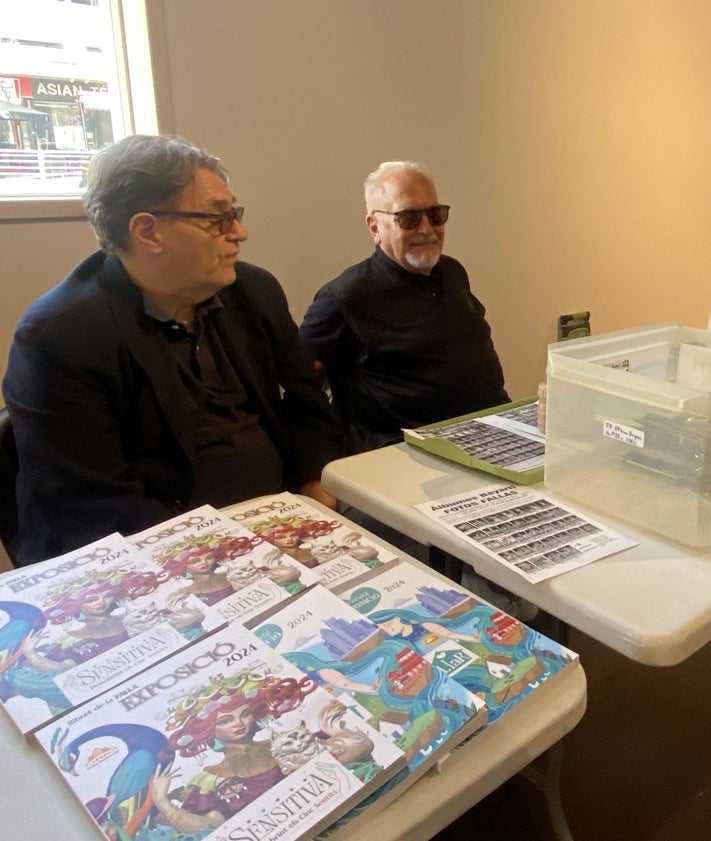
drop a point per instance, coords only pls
(59, 93)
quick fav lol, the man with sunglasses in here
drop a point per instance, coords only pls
(160, 374)
(400, 337)
(403, 342)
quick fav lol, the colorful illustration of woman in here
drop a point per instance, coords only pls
(213, 577)
(361, 678)
(293, 538)
(92, 602)
(419, 631)
(199, 565)
(300, 540)
(225, 718)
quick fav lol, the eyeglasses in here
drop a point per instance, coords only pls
(223, 221)
(408, 220)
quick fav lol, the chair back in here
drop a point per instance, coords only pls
(8, 476)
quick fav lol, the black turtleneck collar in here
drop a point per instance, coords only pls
(430, 284)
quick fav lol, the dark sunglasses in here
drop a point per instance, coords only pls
(408, 220)
(224, 221)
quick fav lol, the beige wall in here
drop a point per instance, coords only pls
(570, 138)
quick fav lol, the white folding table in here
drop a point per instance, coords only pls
(651, 603)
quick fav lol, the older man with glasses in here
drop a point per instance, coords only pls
(400, 337)
(160, 374)
(402, 340)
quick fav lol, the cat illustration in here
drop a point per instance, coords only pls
(240, 574)
(294, 747)
(142, 617)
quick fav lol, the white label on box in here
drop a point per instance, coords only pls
(620, 432)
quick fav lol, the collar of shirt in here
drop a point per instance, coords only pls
(169, 325)
(431, 283)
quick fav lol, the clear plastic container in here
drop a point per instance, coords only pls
(628, 427)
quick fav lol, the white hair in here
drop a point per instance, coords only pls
(373, 183)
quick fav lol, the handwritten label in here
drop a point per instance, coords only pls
(620, 432)
(622, 364)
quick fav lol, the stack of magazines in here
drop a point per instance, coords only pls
(267, 672)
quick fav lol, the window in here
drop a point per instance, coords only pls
(65, 78)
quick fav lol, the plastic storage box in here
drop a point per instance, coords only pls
(628, 427)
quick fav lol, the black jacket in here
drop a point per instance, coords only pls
(101, 418)
(401, 349)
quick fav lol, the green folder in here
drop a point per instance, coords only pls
(504, 452)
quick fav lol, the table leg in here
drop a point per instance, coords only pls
(445, 564)
(548, 782)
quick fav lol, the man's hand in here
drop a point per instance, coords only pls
(315, 490)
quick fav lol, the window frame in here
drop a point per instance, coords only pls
(139, 40)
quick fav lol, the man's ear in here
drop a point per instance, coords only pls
(143, 231)
(372, 223)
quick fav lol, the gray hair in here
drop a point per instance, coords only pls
(373, 183)
(140, 172)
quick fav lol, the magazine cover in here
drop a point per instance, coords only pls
(332, 549)
(424, 711)
(222, 563)
(507, 659)
(74, 626)
(224, 741)
(384, 681)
